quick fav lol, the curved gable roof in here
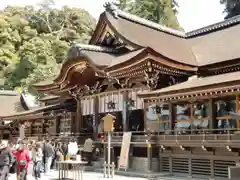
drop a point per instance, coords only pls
(204, 46)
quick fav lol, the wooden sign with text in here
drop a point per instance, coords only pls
(108, 122)
(124, 155)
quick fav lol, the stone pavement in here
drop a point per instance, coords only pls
(86, 176)
(98, 176)
(53, 175)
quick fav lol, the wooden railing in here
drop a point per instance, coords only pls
(214, 137)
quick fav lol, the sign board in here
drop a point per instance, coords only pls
(126, 140)
(108, 122)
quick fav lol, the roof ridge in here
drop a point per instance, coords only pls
(9, 93)
(215, 26)
(117, 12)
(95, 48)
(110, 7)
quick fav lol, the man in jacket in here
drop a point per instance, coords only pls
(87, 150)
(48, 153)
(6, 160)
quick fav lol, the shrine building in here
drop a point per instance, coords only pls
(173, 90)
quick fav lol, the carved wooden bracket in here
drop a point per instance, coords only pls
(96, 88)
(152, 79)
(124, 83)
(172, 81)
(76, 92)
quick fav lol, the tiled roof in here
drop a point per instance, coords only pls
(9, 102)
(9, 93)
(29, 112)
(204, 46)
(196, 82)
(89, 47)
(98, 56)
(118, 13)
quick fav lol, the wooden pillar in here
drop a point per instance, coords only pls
(95, 117)
(170, 163)
(212, 169)
(212, 114)
(237, 110)
(160, 151)
(190, 164)
(191, 117)
(105, 152)
(149, 157)
(78, 120)
(125, 111)
(171, 116)
(57, 127)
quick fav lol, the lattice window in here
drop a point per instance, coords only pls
(221, 168)
(165, 164)
(201, 167)
(180, 165)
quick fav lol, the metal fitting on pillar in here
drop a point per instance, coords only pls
(113, 169)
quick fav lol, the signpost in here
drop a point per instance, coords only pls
(123, 161)
(108, 127)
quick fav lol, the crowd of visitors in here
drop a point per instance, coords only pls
(17, 157)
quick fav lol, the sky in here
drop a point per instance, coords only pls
(193, 14)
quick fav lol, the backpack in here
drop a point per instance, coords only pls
(22, 160)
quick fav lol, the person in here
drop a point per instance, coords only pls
(87, 150)
(65, 150)
(54, 156)
(37, 156)
(72, 148)
(59, 152)
(6, 160)
(13, 168)
(48, 154)
(22, 160)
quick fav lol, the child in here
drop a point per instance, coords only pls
(37, 161)
(22, 160)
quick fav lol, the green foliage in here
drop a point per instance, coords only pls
(232, 7)
(34, 43)
(159, 11)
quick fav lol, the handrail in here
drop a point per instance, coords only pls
(190, 131)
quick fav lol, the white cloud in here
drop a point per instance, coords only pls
(193, 14)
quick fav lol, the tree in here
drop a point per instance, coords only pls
(34, 43)
(232, 7)
(159, 11)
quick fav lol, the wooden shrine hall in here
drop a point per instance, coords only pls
(176, 92)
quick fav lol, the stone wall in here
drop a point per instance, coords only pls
(141, 164)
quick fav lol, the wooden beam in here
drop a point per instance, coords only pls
(125, 111)
(237, 110)
(171, 116)
(79, 117)
(212, 113)
(95, 117)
